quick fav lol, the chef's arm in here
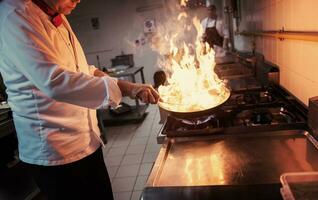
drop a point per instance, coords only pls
(226, 35)
(226, 43)
(202, 37)
(35, 57)
(144, 92)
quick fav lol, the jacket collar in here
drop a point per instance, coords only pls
(56, 18)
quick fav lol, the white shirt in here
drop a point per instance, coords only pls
(222, 30)
(53, 102)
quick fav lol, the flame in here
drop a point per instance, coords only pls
(192, 84)
(183, 2)
(182, 15)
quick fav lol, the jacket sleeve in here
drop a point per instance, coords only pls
(92, 69)
(29, 49)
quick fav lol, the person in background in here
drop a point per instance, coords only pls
(54, 94)
(215, 32)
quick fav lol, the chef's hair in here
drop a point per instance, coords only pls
(212, 6)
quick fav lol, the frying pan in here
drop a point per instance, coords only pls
(192, 114)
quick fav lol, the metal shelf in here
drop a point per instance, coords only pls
(136, 115)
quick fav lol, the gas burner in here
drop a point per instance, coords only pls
(245, 99)
(253, 98)
(265, 116)
(197, 121)
(260, 117)
(282, 115)
(192, 124)
(265, 97)
(253, 117)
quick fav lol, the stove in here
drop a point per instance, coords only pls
(240, 150)
(237, 152)
(257, 110)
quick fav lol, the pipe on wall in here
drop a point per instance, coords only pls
(281, 35)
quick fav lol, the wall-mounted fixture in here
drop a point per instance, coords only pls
(95, 23)
(149, 26)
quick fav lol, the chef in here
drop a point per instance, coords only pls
(215, 32)
(53, 94)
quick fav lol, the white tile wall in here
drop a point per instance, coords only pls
(120, 26)
(298, 60)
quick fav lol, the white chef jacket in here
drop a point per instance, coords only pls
(222, 30)
(53, 102)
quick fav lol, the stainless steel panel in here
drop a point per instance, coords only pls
(258, 158)
(232, 71)
(313, 115)
(274, 77)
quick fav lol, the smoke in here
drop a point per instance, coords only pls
(175, 31)
(175, 27)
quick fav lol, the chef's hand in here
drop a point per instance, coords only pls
(146, 93)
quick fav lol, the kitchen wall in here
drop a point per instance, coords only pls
(298, 60)
(121, 24)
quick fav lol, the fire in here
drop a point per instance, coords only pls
(183, 2)
(192, 84)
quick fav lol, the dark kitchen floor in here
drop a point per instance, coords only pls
(130, 154)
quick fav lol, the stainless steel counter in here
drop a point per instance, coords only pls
(230, 161)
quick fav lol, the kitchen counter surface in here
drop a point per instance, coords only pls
(245, 166)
